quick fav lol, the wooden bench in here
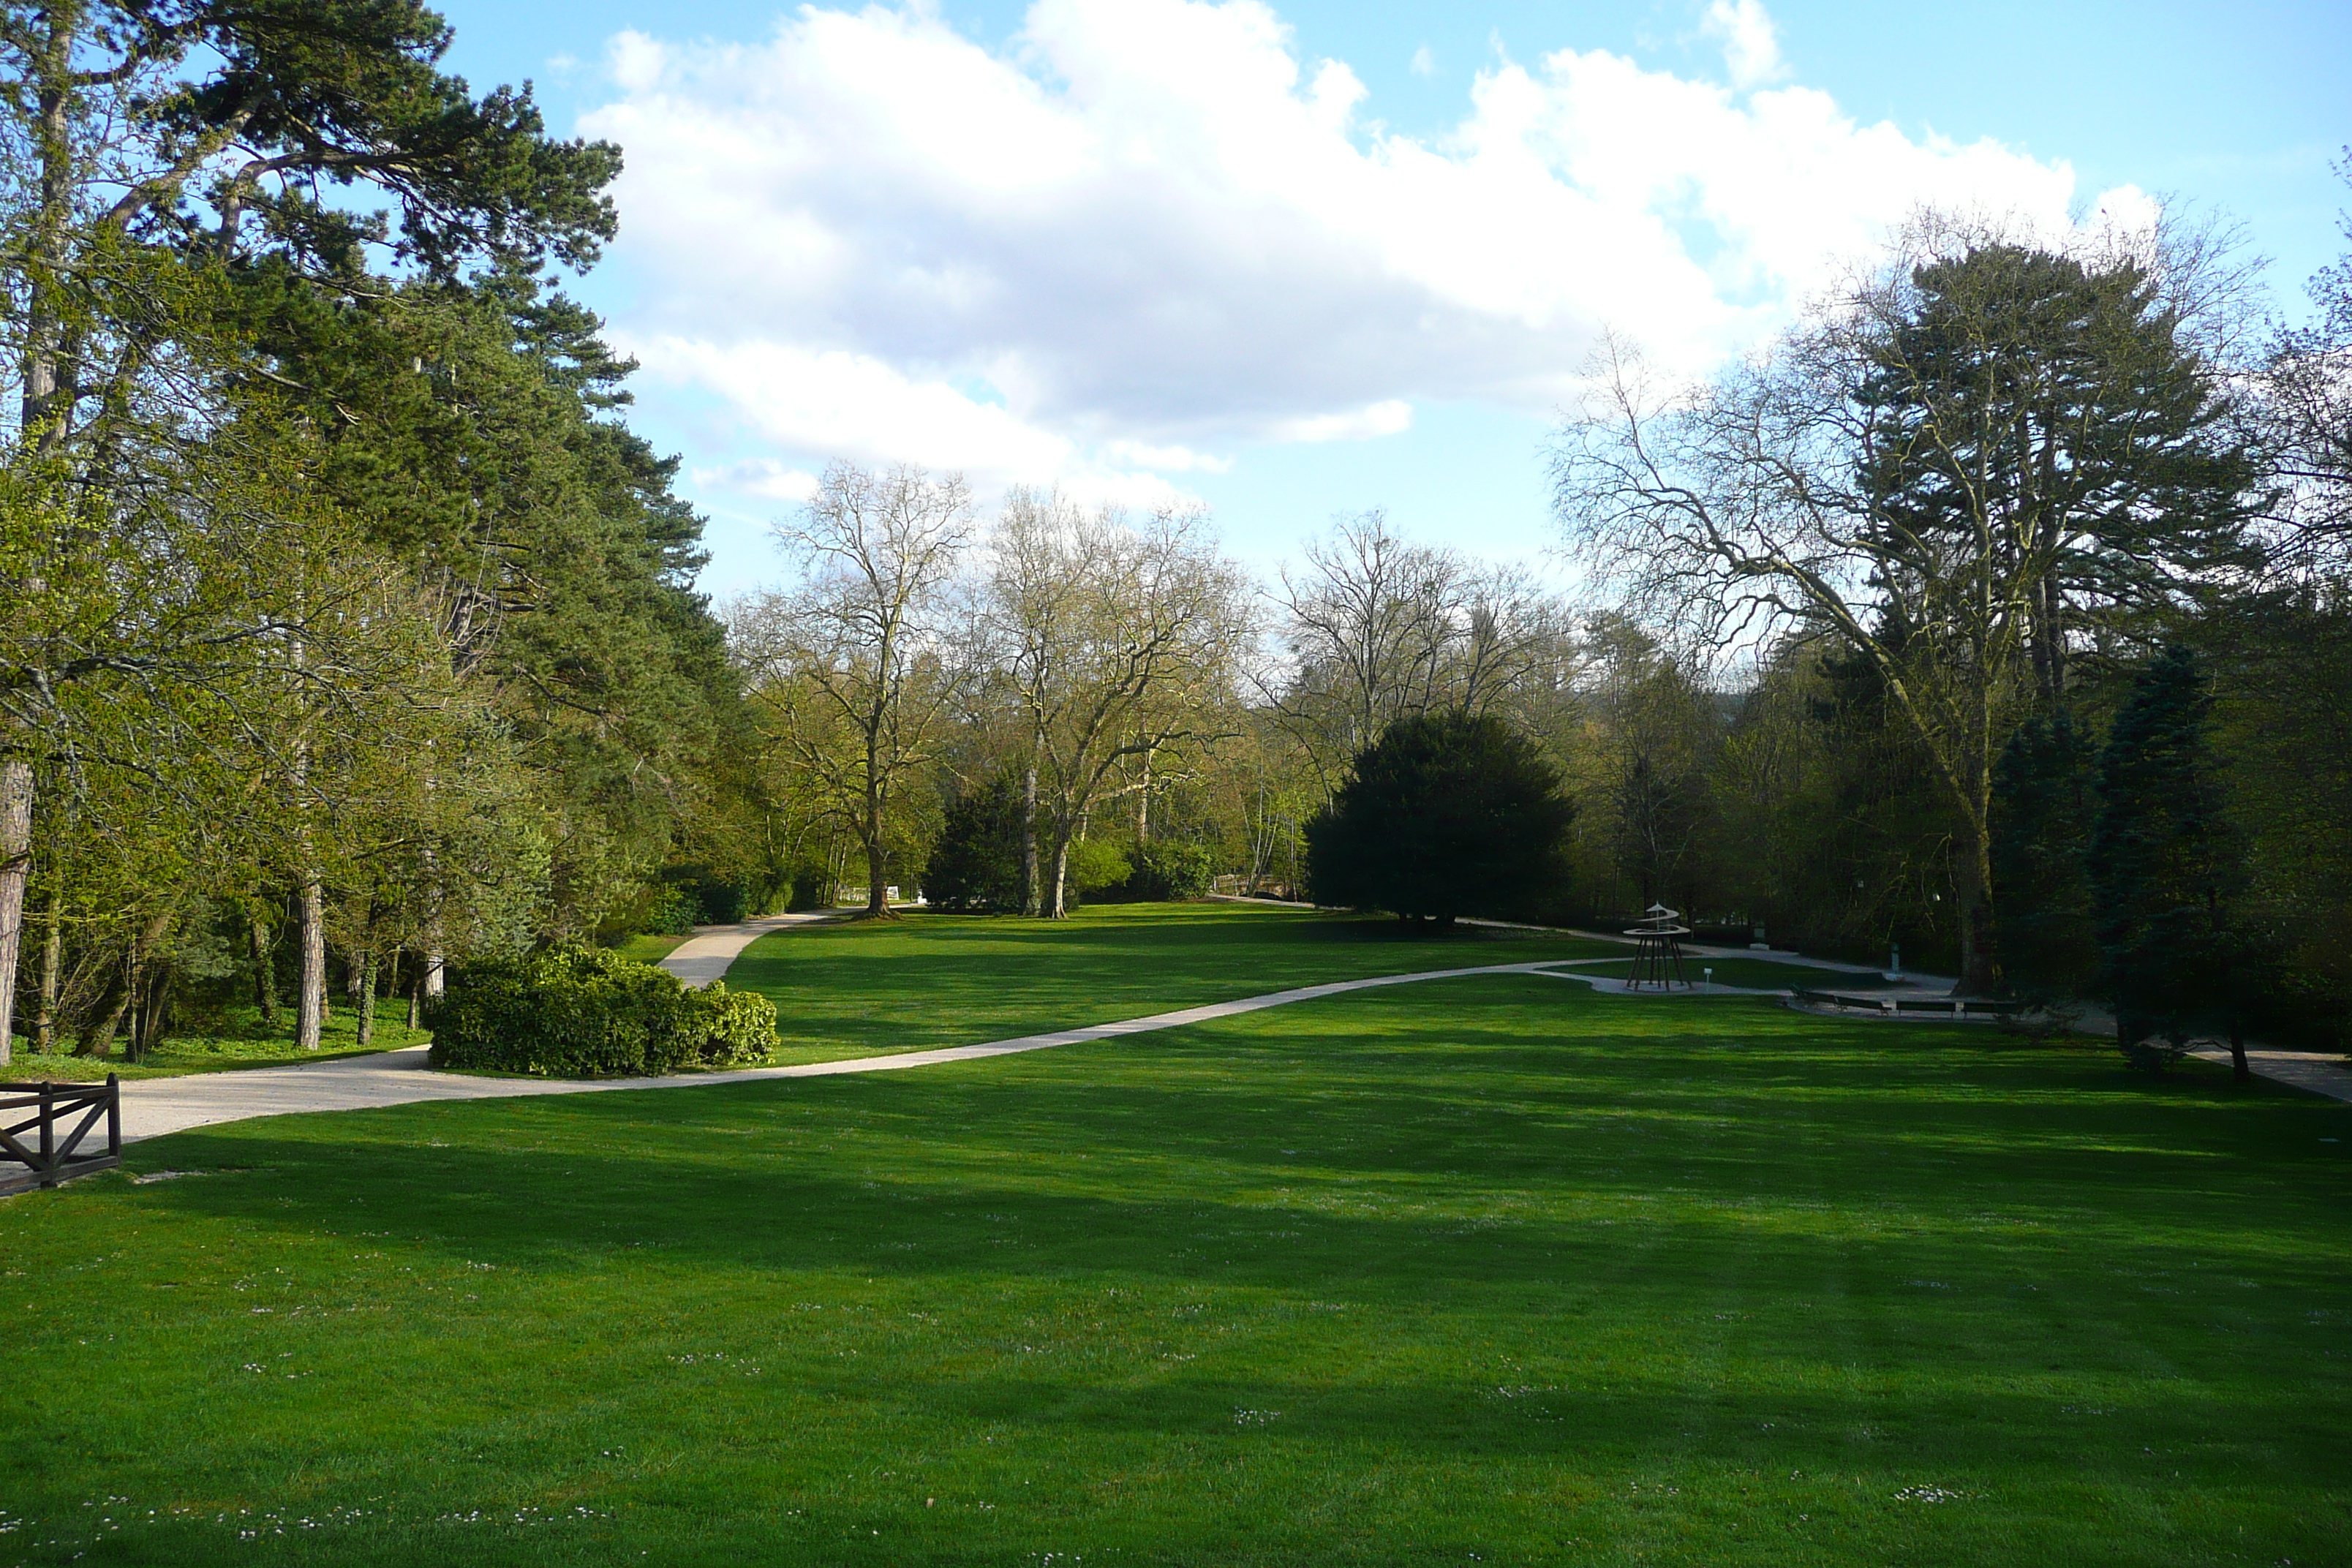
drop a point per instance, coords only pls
(1954, 1007)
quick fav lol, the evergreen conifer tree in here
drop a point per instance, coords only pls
(2165, 867)
(1445, 814)
(2043, 806)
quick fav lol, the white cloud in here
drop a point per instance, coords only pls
(1752, 44)
(762, 476)
(1424, 64)
(1151, 232)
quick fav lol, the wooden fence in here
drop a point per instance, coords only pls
(53, 1152)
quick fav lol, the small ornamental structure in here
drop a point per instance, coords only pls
(1658, 952)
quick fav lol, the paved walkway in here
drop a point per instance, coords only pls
(704, 956)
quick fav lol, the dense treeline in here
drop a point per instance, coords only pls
(1864, 626)
(347, 630)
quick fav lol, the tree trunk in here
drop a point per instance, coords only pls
(877, 869)
(311, 936)
(1056, 904)
(53, 967)
(2239, 1067)
(416, 1002)
(1143, 804)
(367, 1000)
(265, 973)
(1032, 895)
(1979, 948)
(97, 1035)
(16, 864)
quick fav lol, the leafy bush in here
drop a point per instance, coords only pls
(670, 911)
(591, 1013)
(742, 1025)
(1169, 870)
(1095, 864)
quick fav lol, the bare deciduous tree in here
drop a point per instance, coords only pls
(1378, 626)
(1120, 644)
(856, 660)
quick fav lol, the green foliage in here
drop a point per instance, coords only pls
(2021, 384)
(975, 865)
(1170, 869)
(2043, 812)
(1095, 863)
(670, 911)
(2164, 864)
(1445, 815)
(591, 1013)
(741, 1024)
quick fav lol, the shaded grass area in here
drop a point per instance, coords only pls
(1490, 1268)
(1756, 973)
(239, 1039)
(870, 988)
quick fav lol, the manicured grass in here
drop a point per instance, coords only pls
(241, 1040)
(1491, 1268)
(859, 988)
(646, 948)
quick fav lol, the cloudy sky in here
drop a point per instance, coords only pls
(1300, 261)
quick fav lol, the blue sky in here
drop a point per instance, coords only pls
(1161, 252)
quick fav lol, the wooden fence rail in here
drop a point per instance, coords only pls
(55, 1153)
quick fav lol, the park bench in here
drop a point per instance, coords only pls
(1955, 1006)
(49, 1152)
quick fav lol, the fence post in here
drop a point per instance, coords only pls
(113, 1118)
(48, 1137)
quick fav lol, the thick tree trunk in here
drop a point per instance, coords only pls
(1033, 895)
(367, 1000)
(2239, 1068)
(265, 973)
(1980, 945)
(1057, 903)
(311, 936)
(16, 865)
(53, 968)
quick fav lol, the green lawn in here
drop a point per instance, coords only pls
(860, 988)
(648, 947)
(1487, 1270)
(238, 1040)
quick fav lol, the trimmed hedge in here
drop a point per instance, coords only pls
(590, 1012)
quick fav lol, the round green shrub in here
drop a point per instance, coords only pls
(590, 1012)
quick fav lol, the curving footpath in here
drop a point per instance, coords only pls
(154, 1107)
